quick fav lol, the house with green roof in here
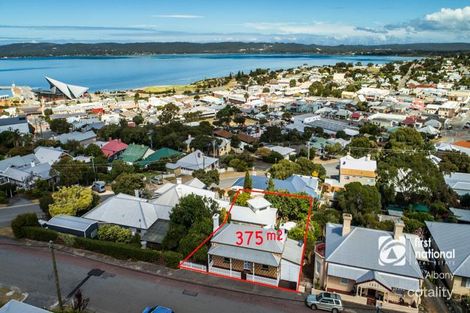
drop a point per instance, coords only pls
(160, 154)
(134, 153)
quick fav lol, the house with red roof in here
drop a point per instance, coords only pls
(113, 148)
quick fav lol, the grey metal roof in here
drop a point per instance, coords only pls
(360, 248)
(293, 251)
(459, 182)
(13, 120)
(448, 237)
(18, 161)
(48, 154)
(71, 222)
(14, 306)
(461, 215)
(76, 136)
(157, 232)
(193, 161)
(362, 275)
(227, 235)
(245, 254)
(129, 211)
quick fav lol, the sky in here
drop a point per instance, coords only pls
(330, 22)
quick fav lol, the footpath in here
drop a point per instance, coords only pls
(166, 273)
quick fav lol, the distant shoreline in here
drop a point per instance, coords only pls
(26, 50)
(260, 54)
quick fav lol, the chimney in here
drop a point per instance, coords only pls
(178, 181)
(368, 157)
(346, 224)
(215, 221)
(136, 193)
(398, 229)
(33, 164)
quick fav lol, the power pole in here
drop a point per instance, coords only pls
(56, 275)
(93, 165)
(308, 150)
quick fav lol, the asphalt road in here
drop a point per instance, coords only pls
(7, 214)
(120, 290)
(20, 206)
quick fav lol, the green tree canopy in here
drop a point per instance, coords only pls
(302, 166)
(190, 224)
(207, 177)
(361, 201)
(73, 200)
(406, 138)
(59, 125)
(168, 113)
(128, 183)
(247, 183)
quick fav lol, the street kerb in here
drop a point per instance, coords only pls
(184, 264)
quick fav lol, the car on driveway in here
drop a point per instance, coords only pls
(99, 186)
(157, 309)
(325, 301)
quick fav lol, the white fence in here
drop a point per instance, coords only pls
(225, 272)
(263, 280)
(195, 265)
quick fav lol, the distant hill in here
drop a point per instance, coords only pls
(148, 48)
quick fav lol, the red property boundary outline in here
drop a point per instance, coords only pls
(265, 192)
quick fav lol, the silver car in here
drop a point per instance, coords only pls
(325, 301)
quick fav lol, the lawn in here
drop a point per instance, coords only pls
(168, 88)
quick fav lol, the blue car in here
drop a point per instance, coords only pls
(157, 309)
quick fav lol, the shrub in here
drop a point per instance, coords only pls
(27, 219)
(118, 250)
(66, 239)
(39, 233)
(114, 233)
(172, 259)
(3, 198)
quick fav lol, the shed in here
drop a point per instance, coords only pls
(73, 225)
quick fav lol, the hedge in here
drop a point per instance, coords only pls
(22, 220)
(118, 250)
(39, 233)
(172, 259)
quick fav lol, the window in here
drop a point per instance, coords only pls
(226, 260)
(344, 281)
(465, 282)
(317, 267)
(247, 265)
(265, 267)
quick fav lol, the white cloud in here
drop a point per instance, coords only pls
(450, 19)
(445, 25)
(182, 16)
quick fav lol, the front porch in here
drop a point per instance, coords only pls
(244, 270)
(372, 292)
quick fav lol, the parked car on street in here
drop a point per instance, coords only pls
(99, 186)
(325, 301)
(157, 309)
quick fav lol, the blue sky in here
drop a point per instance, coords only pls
(303, 21)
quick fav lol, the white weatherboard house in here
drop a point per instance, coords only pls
(268, 258)
(369, 266)
(192, 162)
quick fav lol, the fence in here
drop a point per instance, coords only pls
(195, 266)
